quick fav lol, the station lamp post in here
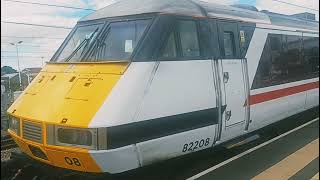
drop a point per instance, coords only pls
(42, 60)
(16, 45)
(9, 85)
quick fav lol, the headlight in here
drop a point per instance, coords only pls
(14, 125)
(75, 136)
(89, 138)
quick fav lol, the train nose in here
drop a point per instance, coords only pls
(59, 156)
(75, 93)
(67, 95)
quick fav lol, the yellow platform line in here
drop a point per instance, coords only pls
(291, 164)
(315, 177)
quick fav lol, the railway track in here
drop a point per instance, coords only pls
(7, 143)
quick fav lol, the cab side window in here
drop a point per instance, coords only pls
(170, 49)
(189, 38)
(182, 42)
(228, 42)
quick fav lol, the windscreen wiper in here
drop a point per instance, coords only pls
(85, 41)
(98, 42)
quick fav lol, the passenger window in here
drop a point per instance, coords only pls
(279, 67)
(292, 57)
(229, 46)
(275, 42)
(311, 55)
(282, 62)
(189, 38)
(262, 77)
(170, 49)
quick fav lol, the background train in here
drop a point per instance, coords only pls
(142, 81)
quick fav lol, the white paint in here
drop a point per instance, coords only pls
(234, 90)
(250, 150)
(121, 104)
(283, 86)
(254, 52)
(284, 28)
(232, 131)
(235, 97)
(179, 87)
(116, 160)
(296, 103)
(151, 90)
(312, 98)
(171, 146)
(268, 112)
(311, 35)
(266, 19)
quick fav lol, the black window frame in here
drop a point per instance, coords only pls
(105, 25)
(305, 74)
(107, 31)
(174, 27)
(70, 35)
(214, 40)
(228, 26)
(231, 36)
(311, 74)
(165, 42)
(248, 29)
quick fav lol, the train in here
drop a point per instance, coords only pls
(143, 81)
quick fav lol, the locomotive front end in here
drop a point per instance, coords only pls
(50, 119)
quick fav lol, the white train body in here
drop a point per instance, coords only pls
(247, 71)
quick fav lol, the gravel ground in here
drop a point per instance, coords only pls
(5, 154)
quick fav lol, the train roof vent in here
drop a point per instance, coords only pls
(245, 6)
(305, 16)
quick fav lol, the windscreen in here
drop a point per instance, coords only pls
(116, 42)
(120, 41)
(78, 42)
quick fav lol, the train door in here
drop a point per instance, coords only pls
(234, 81)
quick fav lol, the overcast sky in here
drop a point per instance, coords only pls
(34, 50)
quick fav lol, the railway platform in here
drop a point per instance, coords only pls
(293, 155)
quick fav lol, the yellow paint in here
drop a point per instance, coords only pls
(87, 164)
(291, 164)
(23, 146)
(65, 91)
(68, 91)
(56, 155)
(315, 177)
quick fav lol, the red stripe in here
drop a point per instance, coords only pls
(268, 96)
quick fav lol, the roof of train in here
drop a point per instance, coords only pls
(199, 9)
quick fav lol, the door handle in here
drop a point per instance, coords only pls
(228, 115)
(225, 77)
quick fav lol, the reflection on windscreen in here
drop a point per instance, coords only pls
(81, 38)
(120, 41)
(117, 43)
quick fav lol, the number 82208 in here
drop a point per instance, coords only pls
(192, 146)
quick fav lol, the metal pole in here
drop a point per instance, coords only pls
(42, 61)
(9, 85)
(20, 81)
(28, 78)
